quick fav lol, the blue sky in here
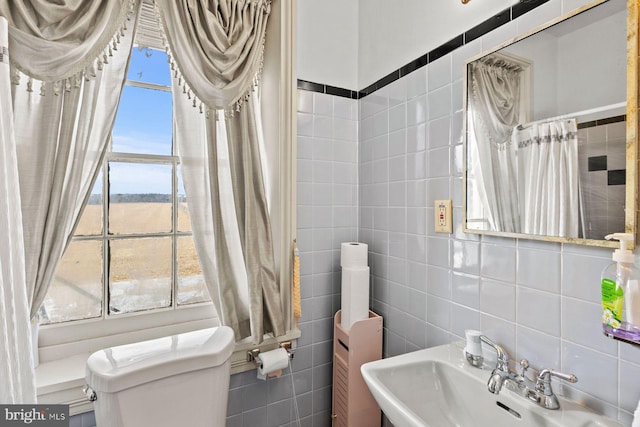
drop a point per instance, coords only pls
(143, 125)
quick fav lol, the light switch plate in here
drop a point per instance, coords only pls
(442, 216)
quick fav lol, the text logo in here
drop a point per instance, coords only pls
(34, 415)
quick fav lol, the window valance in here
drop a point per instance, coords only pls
(216, 47)
(62, 41)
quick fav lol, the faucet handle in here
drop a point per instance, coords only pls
(502, 362)
(524, 364)
(526, 368)
(543, 384)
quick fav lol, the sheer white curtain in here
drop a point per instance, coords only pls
(61, 143)
(68, 67)
(216, 49)
(496, 106)
(548, 178)
(16, 365)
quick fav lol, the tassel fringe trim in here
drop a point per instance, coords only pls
(88, 73)
(179, 79)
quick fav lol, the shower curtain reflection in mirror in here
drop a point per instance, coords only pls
(548, 177)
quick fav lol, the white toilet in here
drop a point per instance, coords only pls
(180, 380)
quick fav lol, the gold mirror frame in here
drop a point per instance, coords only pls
(631, 202)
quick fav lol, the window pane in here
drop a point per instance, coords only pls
(139, 198)
(143, 122)
(184, 222)
(140, 274)
(191, 286)
(149, 66)
(91, 219)
(76, 290)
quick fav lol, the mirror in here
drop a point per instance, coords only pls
(550, 130)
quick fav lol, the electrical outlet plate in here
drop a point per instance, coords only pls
(442, 216)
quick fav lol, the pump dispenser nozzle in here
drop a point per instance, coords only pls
(623, 254)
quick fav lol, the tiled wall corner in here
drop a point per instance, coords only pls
(327, 216)
(328, 147)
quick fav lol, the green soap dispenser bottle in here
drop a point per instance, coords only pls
(621, 293)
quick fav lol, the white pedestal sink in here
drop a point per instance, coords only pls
(436, 387)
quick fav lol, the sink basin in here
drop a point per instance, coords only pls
(436, 387)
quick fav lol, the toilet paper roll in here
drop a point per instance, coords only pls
(354, 254)
(354, 295)
(272, 361)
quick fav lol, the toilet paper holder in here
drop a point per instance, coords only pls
(252, 355)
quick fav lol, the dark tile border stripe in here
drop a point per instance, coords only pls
(524, 6)
(446, 48)
(490, 24)
(330, 90)
(479, 30)
(600, 122)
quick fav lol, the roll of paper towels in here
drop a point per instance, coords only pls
(354, 254)
(271, 361)
(355, 295)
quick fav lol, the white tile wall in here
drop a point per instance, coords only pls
(604, 213)
(329, 200)
(540, 300)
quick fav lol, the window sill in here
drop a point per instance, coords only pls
(61, 381)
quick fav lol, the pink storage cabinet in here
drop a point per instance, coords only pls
(353, 404)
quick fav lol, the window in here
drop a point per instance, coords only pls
(100, 239)
(133, 250)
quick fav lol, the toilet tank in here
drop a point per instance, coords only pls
(177, 380)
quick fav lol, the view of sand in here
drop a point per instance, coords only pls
(140, 273)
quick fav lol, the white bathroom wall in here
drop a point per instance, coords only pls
(578, 50)
(392, 33)
(327, 39)
(540, 300)
(564, 64)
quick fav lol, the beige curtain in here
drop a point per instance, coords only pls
(216, 48)
(18, 383)
(63, 126)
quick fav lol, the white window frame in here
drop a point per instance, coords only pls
(64, 347)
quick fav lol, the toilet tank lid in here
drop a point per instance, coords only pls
(118, 368)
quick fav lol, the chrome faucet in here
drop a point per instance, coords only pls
(501, 372)
(539, 392)
(543, 394)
